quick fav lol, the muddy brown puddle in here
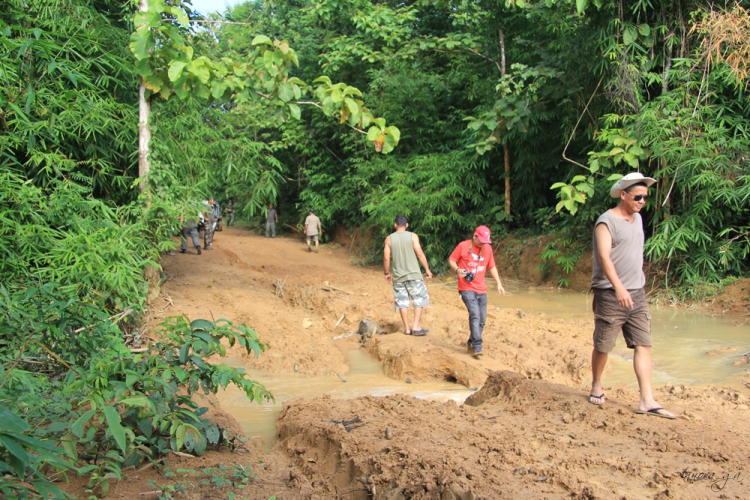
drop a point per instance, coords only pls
(689, 347)
(365, 377)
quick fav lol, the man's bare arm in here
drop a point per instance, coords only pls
(496, 276)
(604, 252)
(387, 259)
(420, 255)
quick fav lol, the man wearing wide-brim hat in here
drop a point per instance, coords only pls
(619, 298)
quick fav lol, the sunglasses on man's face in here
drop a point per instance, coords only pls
(639, 197)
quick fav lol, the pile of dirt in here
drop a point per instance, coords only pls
(518, 438)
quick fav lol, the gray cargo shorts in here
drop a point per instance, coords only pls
(414, 290)
(610, 317)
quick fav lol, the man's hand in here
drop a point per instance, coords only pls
(500, 288)
(462, 272)
(624, 298)
(388, 278)
(429, 274)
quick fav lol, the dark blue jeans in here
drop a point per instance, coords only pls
(476, 303)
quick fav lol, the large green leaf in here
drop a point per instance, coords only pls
(295, 111)
(77, 426)
(630, 35)
(140, 42)
(351, 105)
(373, 133)
(202, 324)
(262, 39)
(115, 427)
(175, 69)
(286, 92)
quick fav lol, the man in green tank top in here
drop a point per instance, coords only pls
(405, 274)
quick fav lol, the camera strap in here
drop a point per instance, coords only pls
(479, 257)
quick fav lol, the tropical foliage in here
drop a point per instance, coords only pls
(489, 105)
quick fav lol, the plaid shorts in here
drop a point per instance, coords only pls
(414, 290)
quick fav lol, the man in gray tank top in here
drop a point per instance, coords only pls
(619, 298)
(405, 274)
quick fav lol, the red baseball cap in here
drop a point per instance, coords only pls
(483, 232)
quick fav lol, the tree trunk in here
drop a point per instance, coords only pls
(667, 68)
(144, 129)
(506, 150)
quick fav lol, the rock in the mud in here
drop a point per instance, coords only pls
(408, 380)
(296, 367)
(368, 328)
(521, 314)
(306, 323)
(388, 433)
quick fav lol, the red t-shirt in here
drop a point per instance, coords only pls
(477, 263)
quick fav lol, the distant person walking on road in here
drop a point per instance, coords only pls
(211, 214)
(312, 229)
(271, 221)
(407, 280)
(230, 213)
(619, 299)
(470, 260)
(190, 229)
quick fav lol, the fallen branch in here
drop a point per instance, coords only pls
(344, 336)
(342, 378)
(280, 286)
(331, 287)
(183, 455)
(117, 316)
(340, 320)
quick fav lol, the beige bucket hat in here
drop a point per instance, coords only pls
(628, 181)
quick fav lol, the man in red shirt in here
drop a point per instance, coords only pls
(470, 260)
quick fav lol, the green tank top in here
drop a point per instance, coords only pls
(405, 266)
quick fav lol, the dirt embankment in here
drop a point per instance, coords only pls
(734, 300)
(525, 434)
(521, 259)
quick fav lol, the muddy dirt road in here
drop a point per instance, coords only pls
(527, 433)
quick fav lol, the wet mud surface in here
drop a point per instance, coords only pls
(528, 432)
